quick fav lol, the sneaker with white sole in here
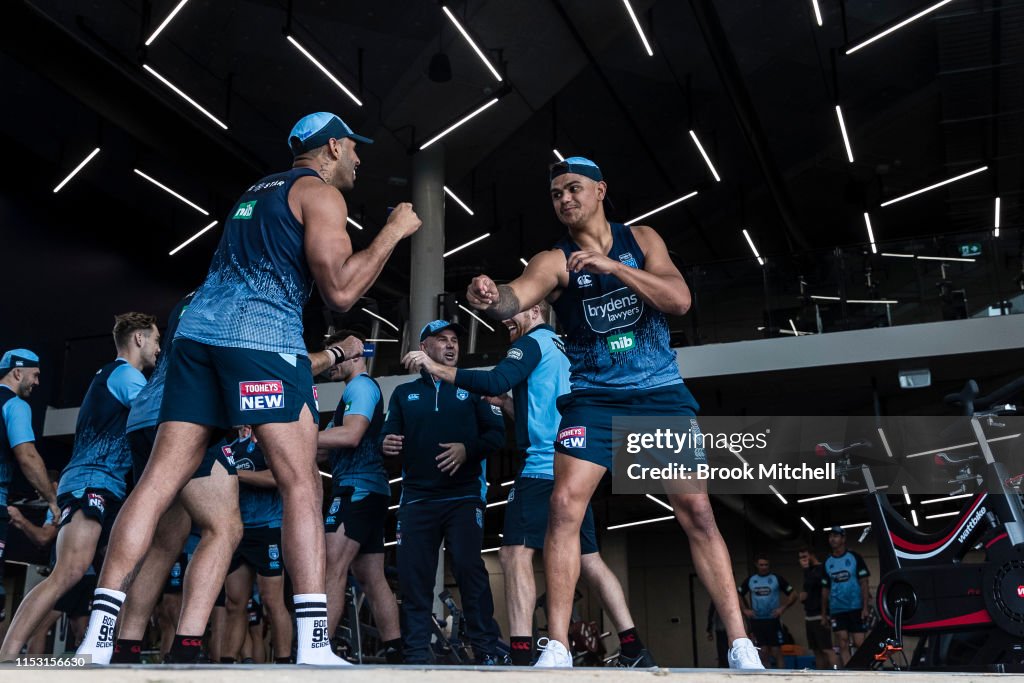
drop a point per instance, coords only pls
(553, 655)
(743, 655)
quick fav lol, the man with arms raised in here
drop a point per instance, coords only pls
(240, 358)
(621, 366)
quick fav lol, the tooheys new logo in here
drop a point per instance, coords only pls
(614, 310)
(261, 395)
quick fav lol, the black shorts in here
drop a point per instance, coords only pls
(526, 516)
(224, 387)
(141, 442)
(99, 505)
(260, 549)
(362, 517)
(78, 599)
(585, 431)
(766, 632)
(851, 622)
(818, 635)
(176, 579)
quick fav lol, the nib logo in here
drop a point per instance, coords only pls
(244, 210)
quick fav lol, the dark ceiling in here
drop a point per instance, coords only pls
(757, 80)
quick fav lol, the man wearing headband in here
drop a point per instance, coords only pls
(239, 358)
(611, 286)
(19, 375)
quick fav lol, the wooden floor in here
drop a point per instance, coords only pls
(424, 674)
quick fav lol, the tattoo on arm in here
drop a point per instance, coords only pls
(507, 304)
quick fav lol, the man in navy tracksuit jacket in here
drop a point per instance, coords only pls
(444, 435)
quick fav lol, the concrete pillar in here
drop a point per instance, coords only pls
(427, 271)
(426, 279)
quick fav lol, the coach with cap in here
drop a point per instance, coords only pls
(444, 434)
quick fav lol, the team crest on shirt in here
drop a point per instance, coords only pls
(628, 259)
(496, 410)
(273, 552)
(413, 397)
(514, 353)
(480, 518)
(265, 394)
(335, 506)
(573, 437)
(461, 394)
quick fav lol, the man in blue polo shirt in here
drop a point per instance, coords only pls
(443, 434)
(19, 375)
(359, 502)
(93, 484)
(845, 596)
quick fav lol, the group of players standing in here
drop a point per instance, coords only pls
(236, 356)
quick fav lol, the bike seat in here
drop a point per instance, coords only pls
(965, 397)
(946, 459)
(826, 448)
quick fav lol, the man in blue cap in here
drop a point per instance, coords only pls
(19, 375)
(239, 358)
(443, 434)
(611, 286)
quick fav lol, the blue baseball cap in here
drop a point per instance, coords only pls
(435, 326)
(579, 165)
(838, 530)
(315, 130)
(19, 358)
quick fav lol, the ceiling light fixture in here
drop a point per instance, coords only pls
(463, 246)
(817, 12)
(508, 483)
(661, 208)
(458, 123)
(324, 474)
(842, 129)
(641, 522)
(857, 525)
(932, 187)
(943, 514)
(707, 160)
(898, 26)
(472, 44)
(807, 524)
(166, 21)
(558, 155)
(324, 70)
(913, 516)
(932, 501)
(478, 318)
(191, 239)
(871, 233)
(96, 151)
(185, 97)
(660, 502)
(636, 23)
(354, 224)
(457, 200)
(389, 324)
(524, 261)
(906, 494)
(947, 258)
(497, 503)
(886, 302)
(760, 261)
(172, 192)
(995, 232)
(962, 445)
(826, 298)
(839, 495)
(885, 445)
(382, 341)
(898, 255)
(776, 492)
(395, 480)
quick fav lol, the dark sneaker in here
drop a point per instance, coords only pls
(644, 660)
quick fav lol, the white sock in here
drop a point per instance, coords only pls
(98, 642)
(312, 639)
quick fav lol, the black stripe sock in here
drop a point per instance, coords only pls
(630, 644)
(393, 653)
(522, 650)
(186, 649)
(127, 652)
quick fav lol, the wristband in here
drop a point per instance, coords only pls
(338, 354)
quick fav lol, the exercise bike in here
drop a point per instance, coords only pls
(969, 616)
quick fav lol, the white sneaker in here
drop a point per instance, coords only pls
(743, 655)
(553, 655)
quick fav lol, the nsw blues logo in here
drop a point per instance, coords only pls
(480, 518)
(335, 506)
(462, 394)
(628, 259)
(273, 552)
(266, 394)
